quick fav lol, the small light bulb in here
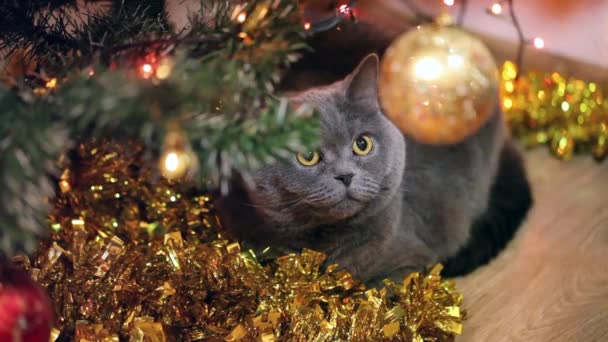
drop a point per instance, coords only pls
(241, 17)
(496, 9)
(448, 2)
(52, 83)
(307, 25)
(164, 70)
(146, 70)
(171, 161)
(539, 43)
(428, 69)
(344, 9)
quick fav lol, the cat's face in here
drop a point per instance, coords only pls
(357, 169)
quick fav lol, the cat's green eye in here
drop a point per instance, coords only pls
(363, 145)
(309, 158)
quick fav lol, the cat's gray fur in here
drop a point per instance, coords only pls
(409, 205)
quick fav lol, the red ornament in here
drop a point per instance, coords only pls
(25, 309)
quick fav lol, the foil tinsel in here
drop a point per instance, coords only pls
(547, 108)
(134, 257)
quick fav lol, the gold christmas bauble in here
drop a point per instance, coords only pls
(438, 84)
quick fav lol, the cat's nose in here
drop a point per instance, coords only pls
(346, 178)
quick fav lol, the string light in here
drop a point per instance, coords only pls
(539, 43)
(241, 17)
(164, 69)
(344, 9)
(448, 2)
(341, 13)
(171, 162)
(52, 83)
(496, 8)
(147, 70)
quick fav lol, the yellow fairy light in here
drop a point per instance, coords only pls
(507, 103)
(164, 69)
(177, 159)
(52, 83)
(496, 9)
(146, 70)
(64, 186)
(246, 38)
(539, 43)
(171, 162)
(241, 17)
(509, 86)
(565, 106)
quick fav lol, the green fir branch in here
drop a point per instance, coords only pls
(221, 91)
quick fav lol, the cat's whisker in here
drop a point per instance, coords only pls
(274, 205)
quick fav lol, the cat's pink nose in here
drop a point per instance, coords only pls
(346, 178)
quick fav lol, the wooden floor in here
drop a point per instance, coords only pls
(551, 283)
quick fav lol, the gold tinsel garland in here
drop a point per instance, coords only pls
(568, 114)
(134, 257)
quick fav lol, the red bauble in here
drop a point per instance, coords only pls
(25, 309)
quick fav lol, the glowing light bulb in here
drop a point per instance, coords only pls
(496, 8)
(146, 70)
(428, 69)
(171, 162)
(52, 83)
(307, 25)
(344, 9)
(241, 17)
(448, 2)
(539, 43)
(164, 69)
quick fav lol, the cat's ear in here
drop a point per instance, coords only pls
(362, 84)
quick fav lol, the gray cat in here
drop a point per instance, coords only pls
(378, 203)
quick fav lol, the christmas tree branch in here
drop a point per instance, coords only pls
(217, 84)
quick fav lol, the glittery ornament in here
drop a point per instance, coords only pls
(25, 310)
(438, 84)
